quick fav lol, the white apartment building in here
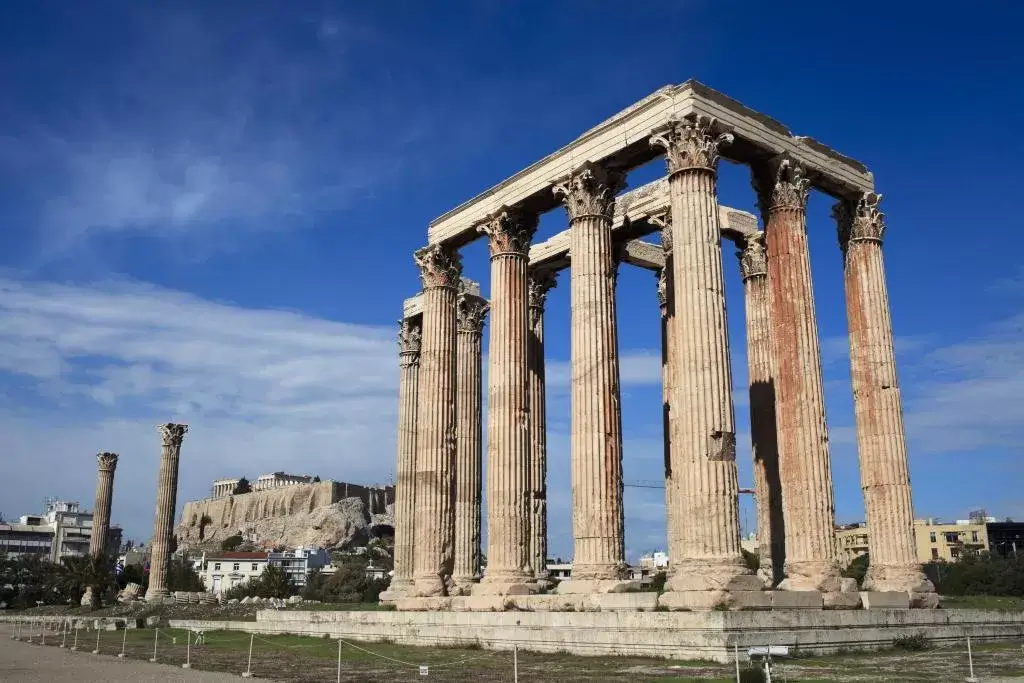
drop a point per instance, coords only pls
(64, 530)
(222, 571)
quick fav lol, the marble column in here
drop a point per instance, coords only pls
(804, 462)
(540, 282)
(409, 335)
(878, 408)
(434, 534)
(509, 567)
(171, 436)
(761, 382)
(106, 464)
(667, 309)
(709, 568)
(597, 515)
(471, 311)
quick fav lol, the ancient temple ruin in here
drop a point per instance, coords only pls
(438, 500)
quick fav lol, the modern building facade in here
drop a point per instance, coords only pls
(63, 530)
(223, 571)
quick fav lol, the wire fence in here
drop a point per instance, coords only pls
(306, 658)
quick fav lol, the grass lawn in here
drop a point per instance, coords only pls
(983, 602)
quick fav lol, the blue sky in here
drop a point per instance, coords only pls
(208, 211)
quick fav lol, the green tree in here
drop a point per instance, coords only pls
(858, 568)
(231, 542)
(241, 487)
(181, 576)
(272, 583)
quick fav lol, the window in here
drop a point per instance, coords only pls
(216, 566)
(954, 553)
(255, 567)
(238, 565)
(952, 537)
(931, 537)
(974, 536)
(935, 552)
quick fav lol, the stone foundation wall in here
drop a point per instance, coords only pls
(675, 635)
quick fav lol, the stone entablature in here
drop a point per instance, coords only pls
(223, 487)
(276, 480)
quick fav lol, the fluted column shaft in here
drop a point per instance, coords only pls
(804, 461)
(508, 426)
(166, 502)
(469, 448)
(761, 382)
(878, 408)
(666, 305)
(107, 463)
(409, 336)
(703, 433)
(598, 548)
(540, 283)
(433, 556)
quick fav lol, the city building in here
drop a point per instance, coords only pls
(1005, 538)
(63, 530)
(222, 571)
(299, 562)
(940, 541)
(653, 562)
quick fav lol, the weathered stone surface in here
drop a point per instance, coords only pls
(106, 464)
(878, 408)
(701, 421)
(472, 312)
(804, 462)
(596, 421)
(539, 284)
(508, 437)
(807, 599)
(761, 382)
(171, 436)
(885, 599)
(322, 514)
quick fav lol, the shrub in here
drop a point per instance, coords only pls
(912, 643)
(231, 543)
(978, 574)
(858, 568)
(752, 674)
(272, 583)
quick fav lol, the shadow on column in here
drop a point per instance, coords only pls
(766, 455)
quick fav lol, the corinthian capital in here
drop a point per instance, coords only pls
(589, 191)
(172, 434)
(781, 185)
(860, 220)
(753, 258)
(472, 311)
(691, 143)
(439, 266)
(541, 281)
(509, 231)
(409, 335)
(106, 461)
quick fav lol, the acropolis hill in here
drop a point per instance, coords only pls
(286, 511)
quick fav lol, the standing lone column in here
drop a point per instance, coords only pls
(597, 515)
(409, 334)
(106, 464)
(709, 570)
(804, 462)
(540, 282)
(667, 308)
(435, 435)
(509, 570)
(471, 311)
(166, 502)
(881, 440)
(761, 377)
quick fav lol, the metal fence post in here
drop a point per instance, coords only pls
(156, 639)
(188, 650)
(124, 640)
(97, 650)
(248, 667)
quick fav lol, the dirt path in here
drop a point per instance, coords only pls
(25, 663)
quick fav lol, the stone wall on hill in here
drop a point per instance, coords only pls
(321, 514)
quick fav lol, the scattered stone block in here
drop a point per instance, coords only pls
(885, 599)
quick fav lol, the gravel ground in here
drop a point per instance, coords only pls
(25, 663)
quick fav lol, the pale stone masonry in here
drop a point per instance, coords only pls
(472, 312)
(409, 337)
(171, 436)
(693, 127)
(509, 569)
(598, 551)
(440, 271)
(541, 281)
(804, 462)
(709, 568)
(761, 383)
(106, 463)
(878, 409)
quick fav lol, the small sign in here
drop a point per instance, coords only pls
(424, 670)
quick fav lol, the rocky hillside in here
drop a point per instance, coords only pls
(326, 514)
